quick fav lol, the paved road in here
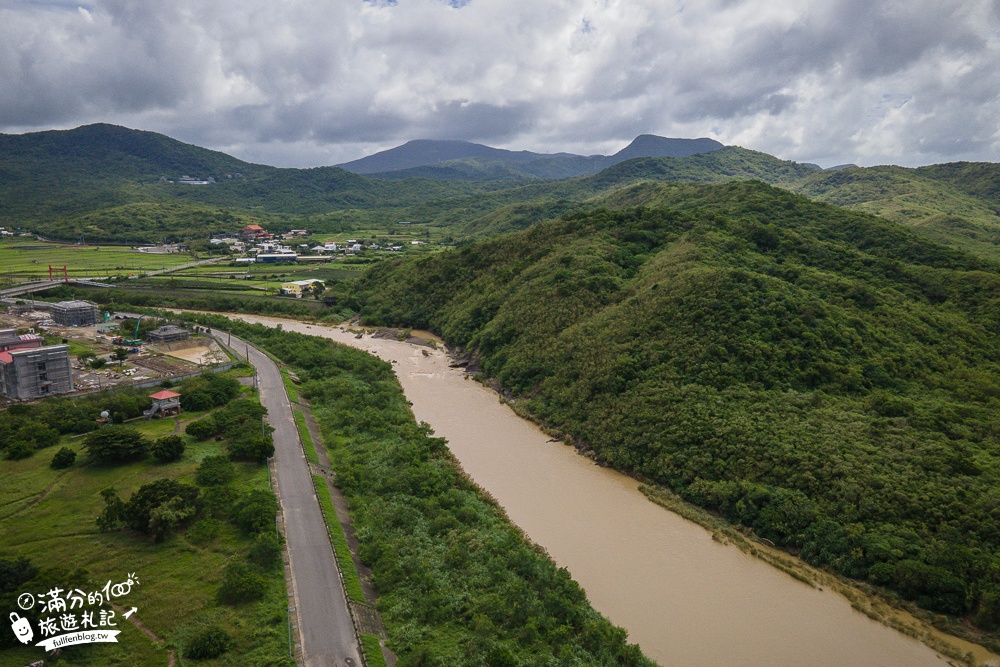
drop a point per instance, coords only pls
(324, 622)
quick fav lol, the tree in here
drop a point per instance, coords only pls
(211, 642)
(214, 471)
(64, 458)
(165, 517)
(158, 507)
(241, 584)
(252, 448)
(121, 354)
(115, 444)
(168, 448)
(266, 551)
(203, 429)
(19, 449)
(254, 511)
(113, 516)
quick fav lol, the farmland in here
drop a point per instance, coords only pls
(28, 259)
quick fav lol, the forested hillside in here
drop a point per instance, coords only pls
(50, 179)
(826, 378)
(83, 182)
(957, 204)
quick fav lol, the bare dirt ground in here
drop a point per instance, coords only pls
(201, 351)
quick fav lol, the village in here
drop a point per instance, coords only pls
(255, 245)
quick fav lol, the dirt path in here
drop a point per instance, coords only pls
(134, 620)
(39, 498)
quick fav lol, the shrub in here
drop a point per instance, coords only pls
(168, 448)
(203, 531)
(165, 517)
(211, 642)
(265, 551)
(254, 511)
(64, 458)
(214, 471)
(156, 508)
(254, 448)
(19, 449)
(115, 443)
(203, 429)
(241, 584)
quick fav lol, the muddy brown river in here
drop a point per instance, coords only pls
(686, 599)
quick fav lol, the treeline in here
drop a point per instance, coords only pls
(824, 378)
(27, 427)
(219, 301)
(457, 583)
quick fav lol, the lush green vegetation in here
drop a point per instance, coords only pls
(158, 520)
(373, 650)
(825, 378)
(88, 180)
(458, 584)
(305, 437)
(24, 260)
(955, 204)
(106, 183)
(342, 552)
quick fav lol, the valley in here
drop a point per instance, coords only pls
(809, 356)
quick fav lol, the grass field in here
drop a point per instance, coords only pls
(49, 516)
(23, 260)
(253, 280)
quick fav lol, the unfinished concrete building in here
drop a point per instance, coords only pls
(11, 340)
(35, 372)
(74, 313)
(168, 334)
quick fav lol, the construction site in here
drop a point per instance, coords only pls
(82, 358)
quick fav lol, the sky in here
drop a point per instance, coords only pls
(303, 83)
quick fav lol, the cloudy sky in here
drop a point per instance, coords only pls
(316, 82)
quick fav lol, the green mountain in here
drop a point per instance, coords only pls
(825, 378)
(958, 204)
(47, 179)
(468, 161)
(67, 184)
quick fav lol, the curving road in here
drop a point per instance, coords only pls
(325, 626)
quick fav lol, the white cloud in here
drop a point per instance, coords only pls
(301, 83)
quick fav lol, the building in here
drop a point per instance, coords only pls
(276, 258)
(167, 334)
(11, 340)
(74, 313)
(254, 233)
(297, 288)
(166, 403)
(35, 372)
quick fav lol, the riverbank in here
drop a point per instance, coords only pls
(457, 582)
(662, 578)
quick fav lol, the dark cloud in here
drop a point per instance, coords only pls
(833, 81)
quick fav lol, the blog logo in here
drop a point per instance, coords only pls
(21, 627)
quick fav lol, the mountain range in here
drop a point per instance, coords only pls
(466, 160)
(101, 180)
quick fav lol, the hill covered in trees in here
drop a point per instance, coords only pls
(825, 378)
(61, 183)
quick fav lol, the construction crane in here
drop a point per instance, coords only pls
(134, 340)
